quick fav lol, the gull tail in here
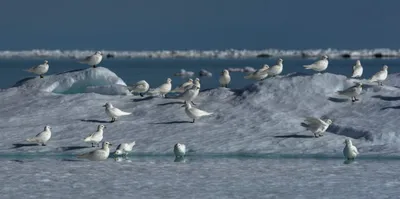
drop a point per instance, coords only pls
(308, 66)
(133, 143)
(31, 140)
(305, 125)
(125, 113)
(207, 113)
(30, 70)
(339, 92)
(87, 139)
(154, 92)
(355, 75)
(82, 155)
(248, 76)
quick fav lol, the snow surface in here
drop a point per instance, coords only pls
(260, 120)
(266, 114)
(220, 54)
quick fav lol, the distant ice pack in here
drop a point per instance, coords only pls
(219, 54)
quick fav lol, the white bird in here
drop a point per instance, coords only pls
(357, 69)
(96, 137)
(225, 78)
(196, 83)
(114, 112)
(140, 87)
(352, 92)
(179, 150)
(380, 76)
(92, 60)
(98, 154)
(259, 74)
(124, 148)
(319, 65)
(317, 126)
(43, 137)
(190, 94)
(194, 113)
(350, 152)
(276, 69)
(163, 89)
(184, 86)
(40, 69)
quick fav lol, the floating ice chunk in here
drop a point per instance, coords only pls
(184, 73)
(205, 73)
(76, 81)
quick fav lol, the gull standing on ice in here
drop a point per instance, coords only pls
(42, 137)
(114, 112)
(96, 137)
(225, 78)
(319, 65)
(184, 86)
(190, 94)
(163, 89)
(352, 92)
(276, 69)
(259, 74)
(357, 69)
(140, 87)
(93, 60)
(350, 152)
(179, 150)
(196, 83)
(124, 148)
(40, 69)
(99, 154)
(194, 113)
(380, 76)
(316, 126)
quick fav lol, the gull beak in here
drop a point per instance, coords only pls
(110, 144)
(105, 127)
(183, 105)
(104, 105)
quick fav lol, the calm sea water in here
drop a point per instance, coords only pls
(199, 177)
(155, 71)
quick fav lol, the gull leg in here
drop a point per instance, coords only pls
(193, 120)
(92, 144)
(193, 103)
(141, 94)
(94, 66)
(112, 119)
(41, 76)
(98, 144)
(43, 144)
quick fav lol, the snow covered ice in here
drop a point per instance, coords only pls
(261, 120)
